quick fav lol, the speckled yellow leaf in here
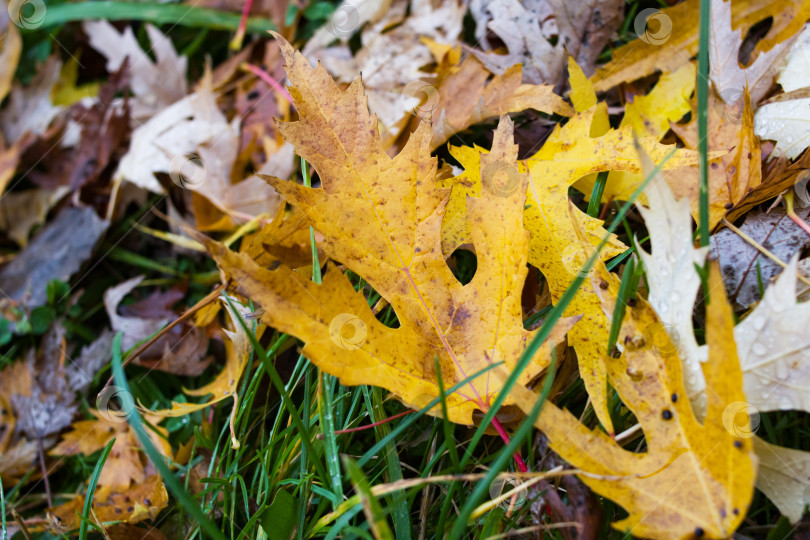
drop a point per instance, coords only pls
(692, 480)
(555, 247)
(649, 115)
(381, 218)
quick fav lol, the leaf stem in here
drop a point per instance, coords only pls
(505, 436)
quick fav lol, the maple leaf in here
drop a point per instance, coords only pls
(124, 466)
(143, 501)
(381, 218)
(693, 480)
(673, 40)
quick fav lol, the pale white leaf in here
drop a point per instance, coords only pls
(774, 348)
(784, 477)
(787, 123)
(796, 72)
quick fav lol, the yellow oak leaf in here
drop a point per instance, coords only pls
(143, 501)
(693, 479)
(650, 116)
(124, 466)
(556, 246)
(583, 97)
(669, 38)
(381, 218)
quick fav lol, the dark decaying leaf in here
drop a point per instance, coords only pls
(743, 266)
(58, 252)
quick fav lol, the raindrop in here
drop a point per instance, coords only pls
(759, 349)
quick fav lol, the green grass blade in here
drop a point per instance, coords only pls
(411, 418)
(91, 489)
(596, 194)
(328, 431)
(134, 419)
(371, 506)
(174, 14)
(625, 289)
(3, 511)
(703, 118)
(446, 424)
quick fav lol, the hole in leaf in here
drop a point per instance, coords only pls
(463, 263)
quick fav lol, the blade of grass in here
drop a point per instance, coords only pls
(91, 489)
(626, 287)
(134, 420)
(371, 506)
(373, 397)
(325, 404)
(596, 194)
(328, 431)
(174, 14)
(446, 424)
(703, 118)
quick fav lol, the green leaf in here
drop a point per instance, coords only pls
(280, 520)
